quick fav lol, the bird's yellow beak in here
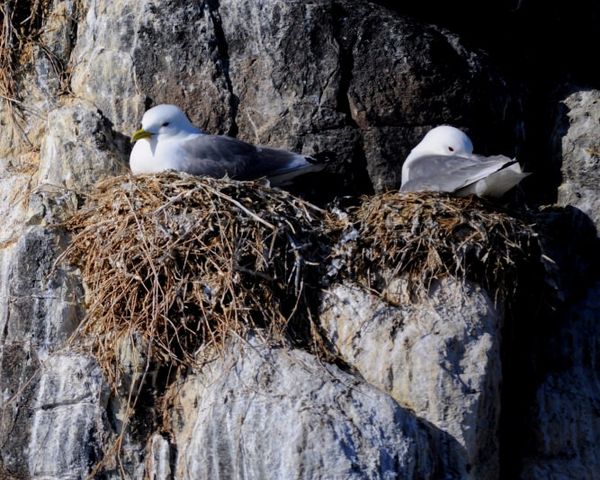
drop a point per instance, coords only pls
(141, 133)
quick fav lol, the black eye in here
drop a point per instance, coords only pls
(451, 149)
(166, 124)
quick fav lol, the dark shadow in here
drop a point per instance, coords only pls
(533, 339)
(538, 49)
(449, 457)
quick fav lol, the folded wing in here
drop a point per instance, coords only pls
(218, 156)
(440, 173)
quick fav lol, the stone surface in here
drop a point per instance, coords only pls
(163, 51)
(79, 149)
(23, 120)
(577, 140)
(14, 202)
(68, 418)
(40, 306)
(556, 365)
(439, 357)
(53, 426)
(564, 421)
(293, 75)
(281, 413)
(346, 76)
(158, 464)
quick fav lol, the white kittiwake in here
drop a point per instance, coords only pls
(444, 162)
(169, 141)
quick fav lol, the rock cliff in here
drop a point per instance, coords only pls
(450, 385)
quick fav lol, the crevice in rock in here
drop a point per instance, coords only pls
(67, 71)
(173, 452)
(66, 403)
(346, 60)
(520, 377)
(222, 61)
(346, 63)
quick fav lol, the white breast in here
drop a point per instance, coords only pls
(153, 156)
(143, 160)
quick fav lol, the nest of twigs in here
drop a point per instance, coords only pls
(184, 262)
(428, 236)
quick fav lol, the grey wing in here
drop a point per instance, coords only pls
(217, 155)
(442, 173)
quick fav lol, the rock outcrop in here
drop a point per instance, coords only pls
(447, 372)
(576, 136)
(293, 75)
(562, 417)
(275, 413)
(421, 387)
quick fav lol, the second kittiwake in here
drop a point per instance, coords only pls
(169, 141)
(444, 162)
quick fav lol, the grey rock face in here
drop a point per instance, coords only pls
(291, 75)
(79, 148)
(53, 427)
(276, 102)
(14, 185)
(279, 413)
(46, 399)
(40, 306)
(103, 71)
(564, 417)
(346, 76)
(127, 52)
(577, 138)
(439, 357)
(69, 418)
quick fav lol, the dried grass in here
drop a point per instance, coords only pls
(184, 262)
(181, 262)
(428, 236)
(20, 25)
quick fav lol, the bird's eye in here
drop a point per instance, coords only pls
(451, 149)
(166, 124)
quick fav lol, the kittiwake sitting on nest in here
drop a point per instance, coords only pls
(169, 141)
(444, 162)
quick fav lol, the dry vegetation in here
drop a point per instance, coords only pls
(174, 263)
(21, 23)
(184, 262)
(180, 262)
(429, 236)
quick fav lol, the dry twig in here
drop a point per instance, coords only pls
(185, 262)
(428, 236)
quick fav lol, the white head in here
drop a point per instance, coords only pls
(442, 140)
(164, 120)
(445, 140)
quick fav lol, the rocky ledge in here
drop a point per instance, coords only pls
(446, 383)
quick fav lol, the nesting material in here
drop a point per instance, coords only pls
(186, 261)
(21, 24)
(428, 236)
(181, 262)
